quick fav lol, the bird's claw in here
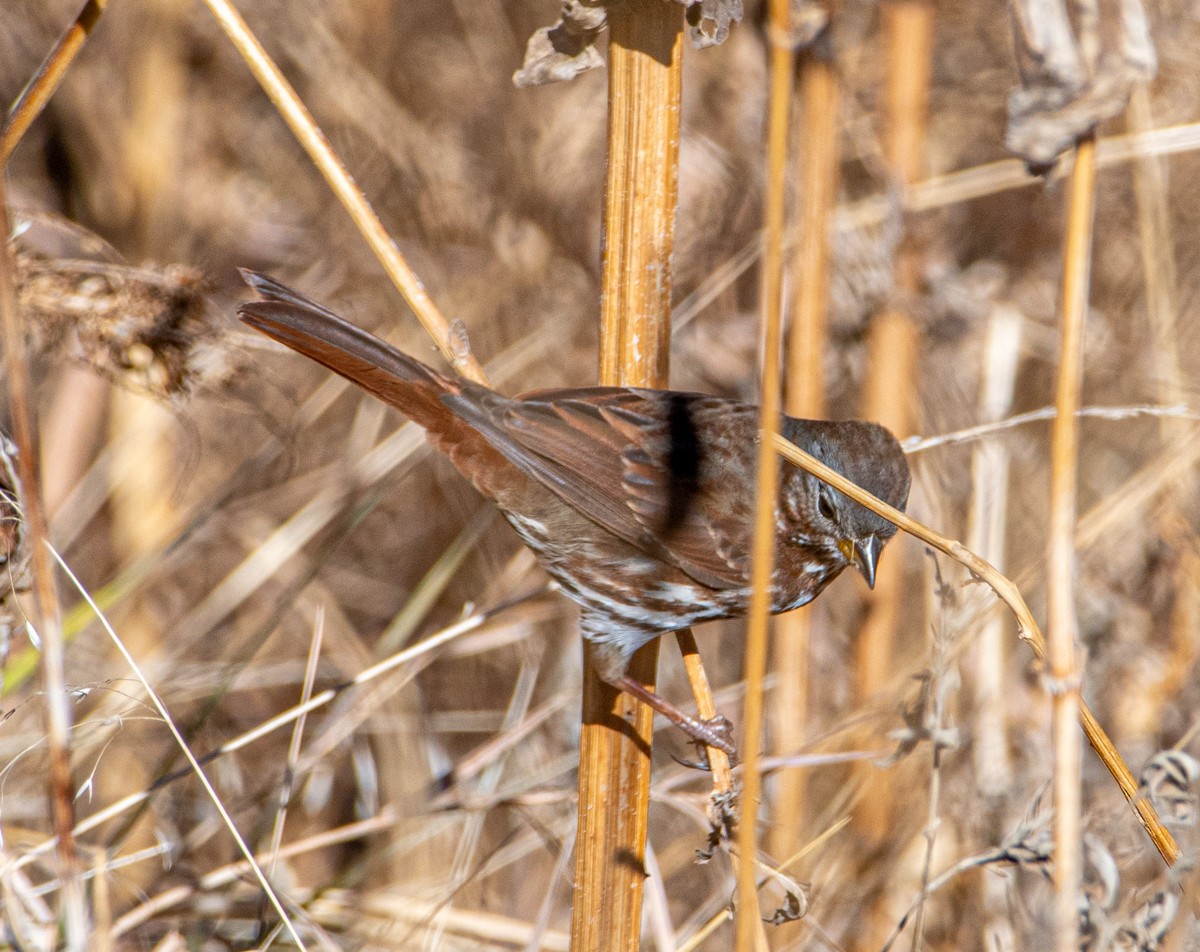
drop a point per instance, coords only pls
(715, 732)
(701, 764)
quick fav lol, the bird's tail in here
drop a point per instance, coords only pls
(313, 330)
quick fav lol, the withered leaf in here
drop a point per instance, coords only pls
(567, 48)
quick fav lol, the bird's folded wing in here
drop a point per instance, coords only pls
(629, 460)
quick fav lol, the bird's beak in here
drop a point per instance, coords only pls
(863, 555)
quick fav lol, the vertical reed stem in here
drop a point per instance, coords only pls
(986, 524)
(46, 618)
(749, 924)
(644, 83)
(805, 397)
(1062, 623)
(893, 344)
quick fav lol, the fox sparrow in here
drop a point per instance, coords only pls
(639, 502)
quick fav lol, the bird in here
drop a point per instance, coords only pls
(638, 502)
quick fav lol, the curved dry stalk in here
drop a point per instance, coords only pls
(303, 126)
(1027, 628)
(919, 444)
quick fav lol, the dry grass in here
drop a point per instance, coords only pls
(430, 774)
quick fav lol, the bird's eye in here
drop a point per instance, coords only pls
(825, 507)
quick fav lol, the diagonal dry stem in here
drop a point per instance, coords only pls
(194, 765)
(1027, 627)
(45, 81)
(414, 653)
(706, 706)
(986, 533)
(301, 122)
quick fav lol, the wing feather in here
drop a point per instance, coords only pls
(615, 455)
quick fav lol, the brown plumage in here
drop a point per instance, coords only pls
(638, 502)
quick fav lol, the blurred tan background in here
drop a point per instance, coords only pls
(219, 498)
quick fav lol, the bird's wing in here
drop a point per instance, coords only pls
(633, 461)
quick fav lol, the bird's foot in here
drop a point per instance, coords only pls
(710, 732)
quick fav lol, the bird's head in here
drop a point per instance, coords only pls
(821, 517)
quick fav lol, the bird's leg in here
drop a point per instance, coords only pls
(713, 732)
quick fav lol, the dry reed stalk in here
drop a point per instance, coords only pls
(955, 188)
(301, 122)
(141, 429)
(805, 398)
(992, 178)
(101, 904)
(1185, 633)
(1156, 242)
(41, 86)
(293, 753)
(712, 925)
(631, 297)
(466, 859)
(476, 761)
(112, 811)
(986, 535)
(987, 522)
(706, 707)
(1027, 630)
(70, 432)
(45, 615)
(367, 917)
(1062, 624)
(892, 361)
(144, 521)
(641, 189)
(231, 873)
(1157, 245)
(748, 920)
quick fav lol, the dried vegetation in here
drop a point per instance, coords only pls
(224, 503)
